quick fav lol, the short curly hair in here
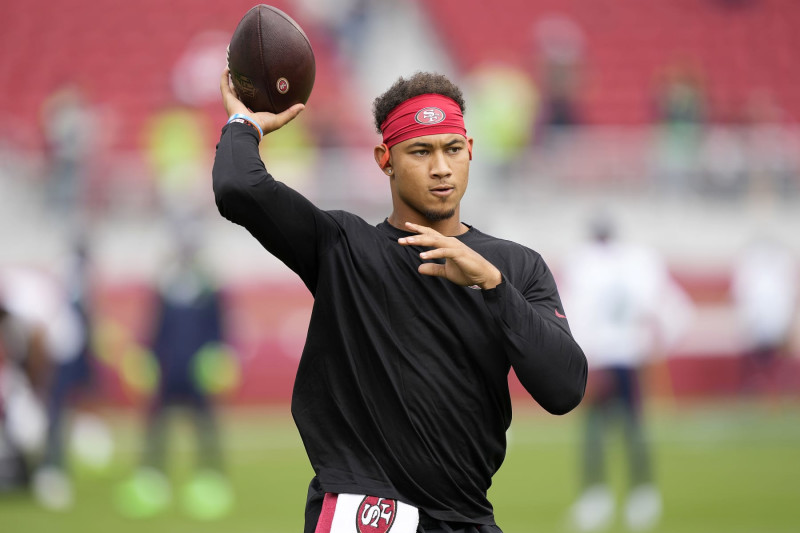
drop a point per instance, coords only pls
(419, 83)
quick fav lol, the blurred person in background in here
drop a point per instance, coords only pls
(401, 396)
(41, 331)
(175, 143)
(69, 125)
(72, 388)
(187, 343)
(345, 23)
(503, 106)
(624, 310)
(771, 163)
(680, 113)
(764, 290)
(559, 46)
(295, 155)
(23, 370)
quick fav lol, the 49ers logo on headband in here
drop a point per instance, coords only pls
(429, 115)
(375, 515)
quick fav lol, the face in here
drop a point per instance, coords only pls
(429, 176)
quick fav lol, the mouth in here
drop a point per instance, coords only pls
(442, 190)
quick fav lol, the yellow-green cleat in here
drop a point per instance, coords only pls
(207, 496)
(147, 493)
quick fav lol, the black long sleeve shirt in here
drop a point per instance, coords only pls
(402, 387)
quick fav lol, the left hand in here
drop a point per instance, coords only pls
(462, 265)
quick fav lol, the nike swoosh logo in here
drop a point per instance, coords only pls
(559, 315)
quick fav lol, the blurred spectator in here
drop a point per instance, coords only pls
(294, 154)
(176, 141)
(560, 48)
(680, 114)
(187, 344)
(679, 96)
(503, 105)
(771, 169)
(764, 289)
(723, 158)
(69, 126)
(623, 309)
(345, 21)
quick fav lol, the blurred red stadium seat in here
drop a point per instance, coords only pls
(628, 43)
(122, 53)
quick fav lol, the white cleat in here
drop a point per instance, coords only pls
(52, 488)
(594, 510)
(643, 508)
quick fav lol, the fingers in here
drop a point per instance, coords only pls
(224, 82)
(426, 236)
(440, 253)
(230, 101)
(441, 248)
(226, 85)
(433, 269)
(462, 265)
(421, 229)
(270, 122)
(290, 114)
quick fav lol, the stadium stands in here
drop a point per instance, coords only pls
(737, 47)
(123, 54)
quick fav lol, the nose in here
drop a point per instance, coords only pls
(440, 167)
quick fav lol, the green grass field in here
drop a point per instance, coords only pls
(722, 468)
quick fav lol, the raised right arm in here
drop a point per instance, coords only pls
(286, 223)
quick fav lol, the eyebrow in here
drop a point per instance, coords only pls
(420, 144)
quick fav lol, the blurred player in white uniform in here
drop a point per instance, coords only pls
(43, 336)
(764, 289)
(624, 309)
(30, 319)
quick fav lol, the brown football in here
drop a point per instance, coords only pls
(271, 61)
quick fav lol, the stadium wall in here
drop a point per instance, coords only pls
(267, 323)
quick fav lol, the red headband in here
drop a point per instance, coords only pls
(426, 114)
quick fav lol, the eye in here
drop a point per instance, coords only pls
(420, 152)
(454, 149)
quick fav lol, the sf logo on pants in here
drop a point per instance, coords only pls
(375, 515)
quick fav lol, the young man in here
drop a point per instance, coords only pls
(401, 396)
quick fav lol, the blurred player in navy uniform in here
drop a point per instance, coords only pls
(401, 395)
(72, 387)
(188, 327)
(74, 371)
(624, 310)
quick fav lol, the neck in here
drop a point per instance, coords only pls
(449, 227)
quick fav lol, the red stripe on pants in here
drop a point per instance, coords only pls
(326, 515)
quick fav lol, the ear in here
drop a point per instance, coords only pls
(469, 147)
(381, 153)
